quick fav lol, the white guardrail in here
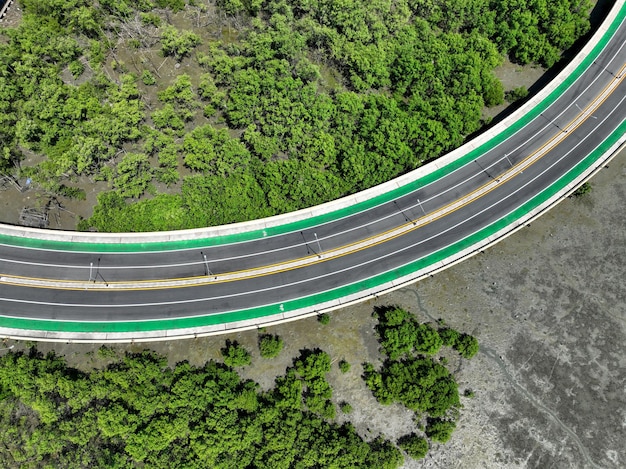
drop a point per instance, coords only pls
(263, 223)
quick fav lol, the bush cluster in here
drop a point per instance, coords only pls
(270, 345)
(410, 375)
(235, 354)
(414, 445)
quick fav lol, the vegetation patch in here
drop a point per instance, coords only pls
(411, 376)
(324, 318)
(516, 94)
(204, 113)
(270, 345)
(138, 412)
(414, 445)
(345, 407)
(235, 354)
(585, 188)
(344, 366)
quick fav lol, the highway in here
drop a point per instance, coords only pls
(304, 270)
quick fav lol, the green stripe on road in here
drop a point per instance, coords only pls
(307, 302)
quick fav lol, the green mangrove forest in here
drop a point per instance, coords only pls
(193, 113)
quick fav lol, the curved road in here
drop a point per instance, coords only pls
(138, 295)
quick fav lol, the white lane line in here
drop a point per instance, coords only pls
(303, 244)
(352, 247)
(310, 279)
(198, 263)
(346, 249)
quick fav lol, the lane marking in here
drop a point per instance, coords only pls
(263, 290)
(304, 244)
(380, 238)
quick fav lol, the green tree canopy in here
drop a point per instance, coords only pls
(304, 101)
(270, 345)
(414, 445)
(138, 412)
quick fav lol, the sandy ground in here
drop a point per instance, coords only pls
(549, 308)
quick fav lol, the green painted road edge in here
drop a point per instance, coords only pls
(341, 213)
(319, 298)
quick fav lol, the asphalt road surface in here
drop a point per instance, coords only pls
(87, 286)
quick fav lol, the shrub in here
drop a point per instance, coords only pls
(150, 19)
(344, 366)
(516, 94)
(466, 345)
(134, 173)
(345, 407)
(415, 446)
(401, 334)
(270, 345)
(119, 66)
(419, 383)
(312, 364)
(321, 406)
(311, 367)
(137, 412)
(134, 43)
(178, 43)
(324, 318)
(585, 188)
(449, 336)
(235, 354)
(493, 93)
(148, 78)
(106, 352)
(76, 68)
(427, 340)
(397, 331)
(72, 192)
(440, 430)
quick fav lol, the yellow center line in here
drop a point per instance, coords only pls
(346, 249)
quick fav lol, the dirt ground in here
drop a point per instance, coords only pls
(548, 306)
